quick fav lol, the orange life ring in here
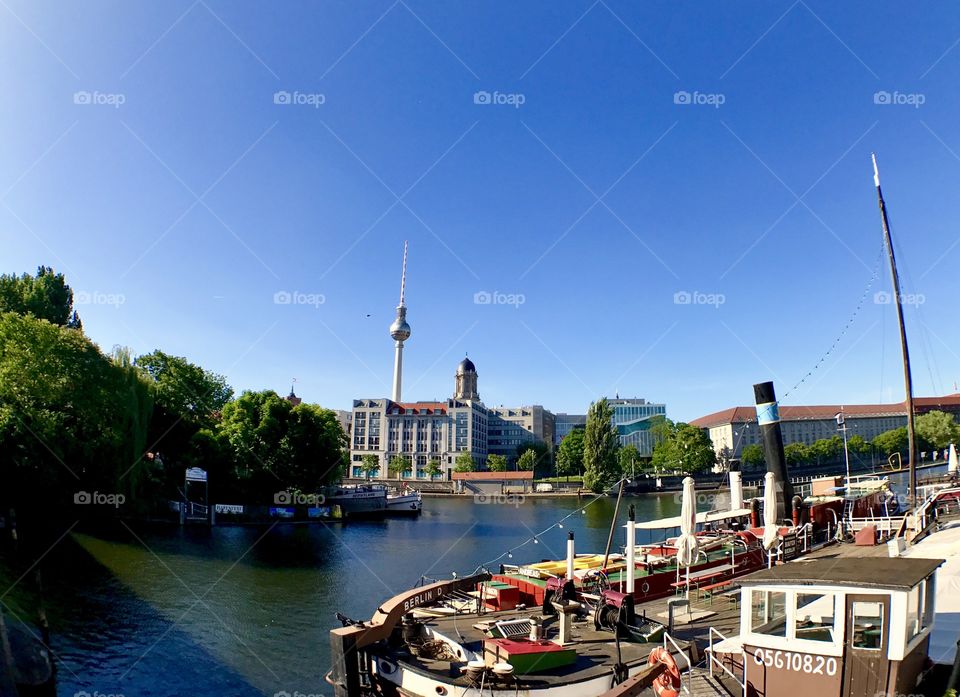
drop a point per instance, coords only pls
(667, 684)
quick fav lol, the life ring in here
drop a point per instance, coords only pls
(667, 684)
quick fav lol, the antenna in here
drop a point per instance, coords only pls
(403, 273)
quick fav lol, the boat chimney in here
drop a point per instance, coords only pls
(631, 549)
(952, 460)
(570, 555)
(736, 487)
(768, 418)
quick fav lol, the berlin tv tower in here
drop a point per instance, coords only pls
(400, 331)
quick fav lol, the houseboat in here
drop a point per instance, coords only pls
(840, 627)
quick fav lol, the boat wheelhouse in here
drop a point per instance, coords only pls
(850, 627)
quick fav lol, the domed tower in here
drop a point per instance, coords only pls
(400, 331)
(466, 381)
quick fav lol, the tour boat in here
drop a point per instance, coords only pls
(358, 500)
(404, 502)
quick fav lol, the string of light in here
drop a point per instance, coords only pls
(836, 342)
(536, 538)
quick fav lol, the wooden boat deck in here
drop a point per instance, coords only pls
(596, 650)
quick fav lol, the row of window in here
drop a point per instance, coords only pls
(812, 616)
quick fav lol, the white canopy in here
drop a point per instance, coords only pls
(771, 530)
(687, 546)
(707, 517)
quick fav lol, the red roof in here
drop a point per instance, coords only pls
(492, 476)
(823, 412)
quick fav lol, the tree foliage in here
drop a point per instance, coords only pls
(464, 463)
(369, 464)
(796, 453)
(496, 463)
(434, 468)
(277, 446)
(600, 445)
(937, 429)
(629, 459)
(400, 465)
(570, 453)
(895, 440)
(685, 449)
(542, 457)
(71, 418)
(45, 296)
(752, 456)
(527, 461)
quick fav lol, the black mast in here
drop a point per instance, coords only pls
(907, 378)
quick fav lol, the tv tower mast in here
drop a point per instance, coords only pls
(400, 331)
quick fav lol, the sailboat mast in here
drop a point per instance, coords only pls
(907, 377)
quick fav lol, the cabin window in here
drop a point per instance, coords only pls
(813, 620)
(867, 625)
(768, 613)
(915, 611)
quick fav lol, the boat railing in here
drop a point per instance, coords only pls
(684, 674)
(713, 659)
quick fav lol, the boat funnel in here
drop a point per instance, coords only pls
(768, 418)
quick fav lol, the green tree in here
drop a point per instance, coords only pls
(45, 296)
(661, 428)
(543, 464)
(629, 457)
(434, 468)
(71, 418)
(369, 465)
(857, 445)
(937, 429)
(826, 450)
(275, 445)
(796, 454)
(464, 463)
(752, 456)
(496, 463)
(893, 441)
(600, 445)
(528, 461)
(686, 449)
(570, 454)
(400, 465)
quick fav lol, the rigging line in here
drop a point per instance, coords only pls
(849, 323)
(914, 300)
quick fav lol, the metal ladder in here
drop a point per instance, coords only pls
(848, 510)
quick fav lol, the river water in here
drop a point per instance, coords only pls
(158, 611)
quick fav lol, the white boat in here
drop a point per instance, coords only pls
(404, 502)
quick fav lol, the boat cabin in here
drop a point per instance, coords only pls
(850, 627)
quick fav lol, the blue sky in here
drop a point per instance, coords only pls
(145, 155)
